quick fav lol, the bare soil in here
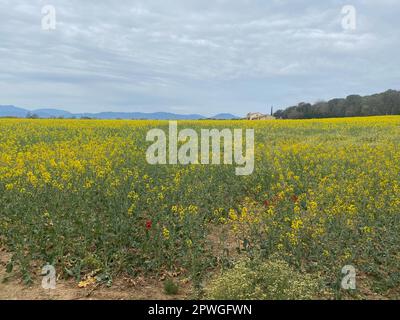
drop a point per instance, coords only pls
(12, 288)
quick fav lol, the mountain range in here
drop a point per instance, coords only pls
(12, 111)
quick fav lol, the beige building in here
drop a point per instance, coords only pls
(259, 116)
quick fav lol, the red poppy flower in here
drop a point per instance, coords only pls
(295, 198)
(266, 203)
(149, 223)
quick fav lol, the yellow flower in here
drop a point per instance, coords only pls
(32, 178)
(297, 224)
(193, 209)
(166, 233)
(352, 209)
(131, 209)
(9, 186)
(232, 215)
(89, 281)
(366, 229)
(244, 213)
(222, 220)
(313, 205)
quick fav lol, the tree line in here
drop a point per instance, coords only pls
(386, 103)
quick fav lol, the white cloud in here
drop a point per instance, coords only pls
(200, 56)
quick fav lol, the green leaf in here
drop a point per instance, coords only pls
(9, 267)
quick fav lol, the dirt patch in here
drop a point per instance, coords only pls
(12, 288)
(223, 242)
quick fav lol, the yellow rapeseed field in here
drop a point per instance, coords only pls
(80, 195)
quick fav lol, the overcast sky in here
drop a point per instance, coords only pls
(188, 56)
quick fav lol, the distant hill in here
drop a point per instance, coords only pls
(140, 115)
(386, 103)
(223, 116)
(12, 111)
(52, 113)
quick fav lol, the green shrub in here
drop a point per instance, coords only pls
(170, 287)
(270, 280)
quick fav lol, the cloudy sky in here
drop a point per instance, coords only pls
(194, 56)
